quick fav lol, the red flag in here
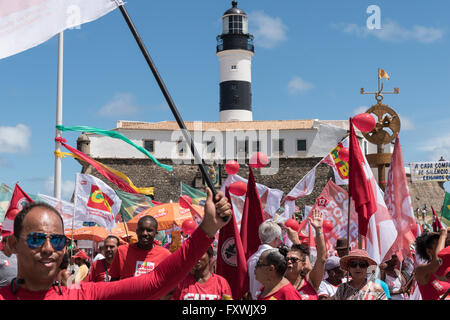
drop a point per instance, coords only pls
(359, 184)
(333, 203)
(437, 225)
(231, 261)
(252, 217)
(101, 169)
(398, 201)
(18, 201)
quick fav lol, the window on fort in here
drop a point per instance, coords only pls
(278, 146)
(211, 147)
(301, 145)
(256, 146)
(181, 147)
(242, 148)
(234, 67)
(236, 99)
(149, 145)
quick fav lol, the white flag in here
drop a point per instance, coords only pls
(95, 201)
(25, 24)
(65, 209)
(270, 198)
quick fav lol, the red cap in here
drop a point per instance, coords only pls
(81, 254)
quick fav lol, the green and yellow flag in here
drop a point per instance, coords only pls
(198, 197)
(132, 204)
(445, 211)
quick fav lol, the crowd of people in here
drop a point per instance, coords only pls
(36, 264)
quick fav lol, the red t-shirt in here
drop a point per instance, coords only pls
(131, 261)
(153, 285)
(213, 289)
(97, 272)
(287, 292)
(433, 289)
(308, 292)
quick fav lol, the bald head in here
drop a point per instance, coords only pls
(19, 219)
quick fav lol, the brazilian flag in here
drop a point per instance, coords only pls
(132, 204)
(445, 211)
(198, 197)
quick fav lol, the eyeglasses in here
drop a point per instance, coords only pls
(294, 259)
(36, 240)
(259, 264)
(361, 264)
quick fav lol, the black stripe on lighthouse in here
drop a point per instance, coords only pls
(235, 95)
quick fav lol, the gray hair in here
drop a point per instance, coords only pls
(269, 231)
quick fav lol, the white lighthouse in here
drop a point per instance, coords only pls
(235, 51)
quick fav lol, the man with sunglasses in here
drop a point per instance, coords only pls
(39, 244)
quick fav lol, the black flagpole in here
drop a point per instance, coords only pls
(169, 100)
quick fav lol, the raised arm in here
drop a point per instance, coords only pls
(175, 267)
(424, 271)
(316, 274)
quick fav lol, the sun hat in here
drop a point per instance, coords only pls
(359, 254)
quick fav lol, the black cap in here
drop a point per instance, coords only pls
(234, 9)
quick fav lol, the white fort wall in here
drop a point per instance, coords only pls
(319, 141)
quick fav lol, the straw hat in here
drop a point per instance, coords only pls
(359, 254)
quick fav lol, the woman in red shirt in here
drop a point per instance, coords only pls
(269, 270)
(428, 245)
(299, 272)
(39, 243)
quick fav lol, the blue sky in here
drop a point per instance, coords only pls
(311, 59)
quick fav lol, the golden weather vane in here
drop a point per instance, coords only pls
(379, 94)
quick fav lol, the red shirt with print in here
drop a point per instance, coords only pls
(213, 289)
(131, 261)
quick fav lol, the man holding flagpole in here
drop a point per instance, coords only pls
(40, 245)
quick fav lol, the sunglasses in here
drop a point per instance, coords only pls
(36, 240)
(361, 264)
(294, 259)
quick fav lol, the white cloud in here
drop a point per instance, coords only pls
(438, 147)
(393, 32)
(268, 31)
(298, 85)
(406, 123)
(121, 104)
(67, 188)
(361, 109)
(15, 139)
